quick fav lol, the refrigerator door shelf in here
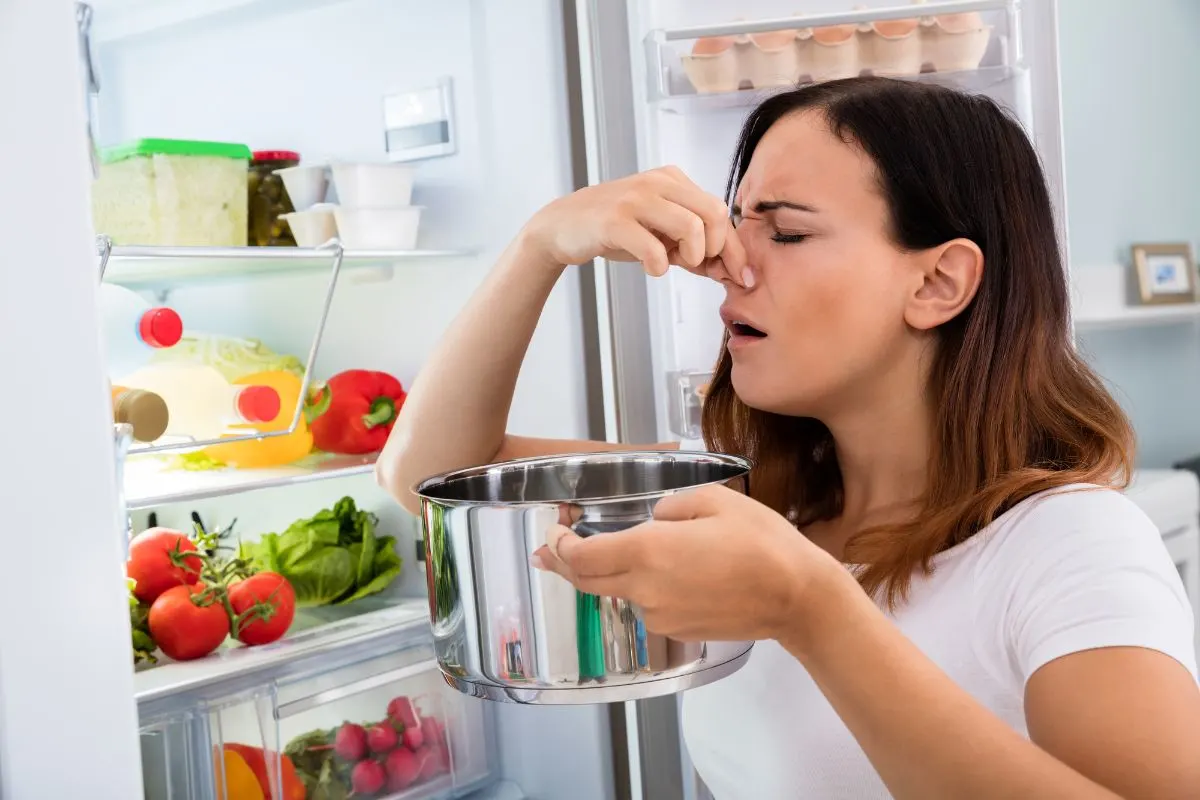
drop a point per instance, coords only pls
(427, 740)
(687, 389)
(975, 81)
(747, 57)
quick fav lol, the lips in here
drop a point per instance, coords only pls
(740, 325)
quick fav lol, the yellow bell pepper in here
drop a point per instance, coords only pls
(238, 781)
(276, 450)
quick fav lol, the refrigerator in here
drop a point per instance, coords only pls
(539, 97)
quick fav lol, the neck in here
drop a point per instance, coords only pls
(883, 450)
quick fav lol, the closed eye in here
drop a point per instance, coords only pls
(788, 238)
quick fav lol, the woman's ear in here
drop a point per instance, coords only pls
(951, 274)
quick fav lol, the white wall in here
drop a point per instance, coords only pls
(313, 81)
(1129, 73)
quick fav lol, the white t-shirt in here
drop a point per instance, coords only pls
(1061, 572)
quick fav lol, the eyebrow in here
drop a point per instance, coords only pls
(773, 205)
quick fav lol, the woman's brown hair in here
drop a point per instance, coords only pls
(1017, 410)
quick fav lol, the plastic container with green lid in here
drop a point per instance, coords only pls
(172, 192)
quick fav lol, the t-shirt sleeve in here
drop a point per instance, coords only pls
(1079, 570)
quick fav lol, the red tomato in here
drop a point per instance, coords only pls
(188, 622)
(265, 604)
(158, 560)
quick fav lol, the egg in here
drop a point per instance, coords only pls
(773, 40)
(895, 28)
(833, 34)
(959, 23)
(712, 45)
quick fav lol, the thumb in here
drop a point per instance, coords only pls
(561, 542)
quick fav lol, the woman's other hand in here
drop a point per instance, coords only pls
(713, 564)
(658, 218)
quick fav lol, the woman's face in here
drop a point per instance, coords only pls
(831, 289)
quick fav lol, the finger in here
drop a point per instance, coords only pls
(718, 228)
(695, 504)
(569, 514)
(724, 269)
(632, 237)
(682, 228)
(605, 586)
(546, 561)
(733, 254)
(597, 556)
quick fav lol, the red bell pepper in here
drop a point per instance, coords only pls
(353, 413)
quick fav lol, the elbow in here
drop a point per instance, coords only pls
(391, 477)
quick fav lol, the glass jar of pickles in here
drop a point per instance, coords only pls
(269, 200)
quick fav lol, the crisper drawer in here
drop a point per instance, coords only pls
(384, 727)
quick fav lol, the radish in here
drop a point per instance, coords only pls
(350, 743)
(436, 762)
(413, 738)
(381, 738)
(403, 769)
(432, 728)
(401, 711)
(367, 778)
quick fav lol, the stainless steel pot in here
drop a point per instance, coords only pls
(507, 631)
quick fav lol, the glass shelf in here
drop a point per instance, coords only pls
(385, 627)
(143, 268)
(152, 481)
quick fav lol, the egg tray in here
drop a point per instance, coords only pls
(786, 58)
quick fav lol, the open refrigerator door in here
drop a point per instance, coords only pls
(670, 82)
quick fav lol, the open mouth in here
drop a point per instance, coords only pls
(742, 329)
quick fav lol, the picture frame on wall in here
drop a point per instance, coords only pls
(1165, 273)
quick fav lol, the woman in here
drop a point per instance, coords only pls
(968, 613)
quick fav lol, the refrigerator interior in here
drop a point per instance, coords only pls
(697, 132)
(312, 77)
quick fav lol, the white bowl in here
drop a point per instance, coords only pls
(306, 185)
(378, 228)
(373, 185)
(312, 228)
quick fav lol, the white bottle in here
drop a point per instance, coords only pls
(133, 329)
(202, 404)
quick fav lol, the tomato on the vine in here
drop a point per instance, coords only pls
(264, 605)
(189, 622)
(160, 558)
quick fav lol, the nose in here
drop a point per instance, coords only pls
(717, 271)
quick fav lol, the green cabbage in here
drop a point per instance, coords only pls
(232, 357)
(332, 557)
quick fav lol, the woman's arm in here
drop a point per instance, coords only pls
(456, 413)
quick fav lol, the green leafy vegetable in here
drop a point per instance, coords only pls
(139, 624)
(331, 557)
(313, 756)
(233, 358)
(385, 567)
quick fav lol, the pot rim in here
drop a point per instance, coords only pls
(421, 487)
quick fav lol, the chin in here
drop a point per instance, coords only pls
(765, 392)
